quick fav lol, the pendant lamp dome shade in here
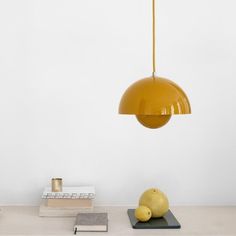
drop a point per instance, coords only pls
(157, 96)
(154, 100)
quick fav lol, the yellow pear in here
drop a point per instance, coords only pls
(143, 213)
(156, 201)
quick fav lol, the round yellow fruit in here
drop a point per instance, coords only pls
(156, 201)
(143, 213)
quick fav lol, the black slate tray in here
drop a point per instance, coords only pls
(168, 221)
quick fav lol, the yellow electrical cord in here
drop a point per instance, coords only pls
(154, 37)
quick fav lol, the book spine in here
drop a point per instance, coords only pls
(63, 212)
(52, 195)
(83, 203)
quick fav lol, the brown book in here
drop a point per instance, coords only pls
(58, 202)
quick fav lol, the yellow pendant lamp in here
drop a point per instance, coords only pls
(154, 100)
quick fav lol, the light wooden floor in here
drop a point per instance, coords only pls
(207, 221)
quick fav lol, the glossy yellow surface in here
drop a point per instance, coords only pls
(153, 122)
(154, 96)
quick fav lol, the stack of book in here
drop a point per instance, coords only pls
(70, 202)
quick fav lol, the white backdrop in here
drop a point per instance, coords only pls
(63, 68)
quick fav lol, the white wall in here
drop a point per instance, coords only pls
(63, 68)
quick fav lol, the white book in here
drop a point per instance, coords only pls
(46, 211)
(83, 192)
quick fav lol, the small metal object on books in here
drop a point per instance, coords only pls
(57, 185)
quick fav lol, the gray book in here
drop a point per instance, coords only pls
(91, 222)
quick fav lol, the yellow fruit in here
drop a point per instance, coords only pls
(156, 201)
(143, 213)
